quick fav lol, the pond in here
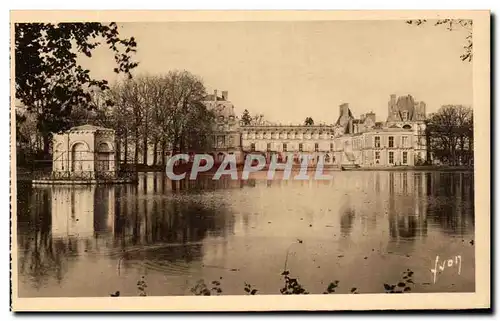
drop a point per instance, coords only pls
(362, 228)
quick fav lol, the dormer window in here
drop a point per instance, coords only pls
(405, 115)
(221, 118)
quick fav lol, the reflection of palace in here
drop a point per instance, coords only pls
(407, 205)
(362, 141)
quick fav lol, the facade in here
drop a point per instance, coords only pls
(349, 142)
(289, 141)
(399, 141)
(227, 136)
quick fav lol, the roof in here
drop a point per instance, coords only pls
(211, 98)
(225, 109)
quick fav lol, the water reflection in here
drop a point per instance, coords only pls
(57, 223)
(347, 220)
(184, 228)
(407, 209)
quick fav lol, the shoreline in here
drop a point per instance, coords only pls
(24, 175)
(415, 168)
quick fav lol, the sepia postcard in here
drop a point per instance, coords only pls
(250, 160)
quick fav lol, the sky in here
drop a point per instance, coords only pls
(292, 70)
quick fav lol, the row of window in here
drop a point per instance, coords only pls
(391, 158)
(286, 136)
(288, 133)
(391, 141)
(285, 147)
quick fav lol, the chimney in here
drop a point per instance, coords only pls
(224, 95)
(391, 106)
(422, 108)
(215, 94)
(393, 100)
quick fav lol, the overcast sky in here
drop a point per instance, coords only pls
(291, 70)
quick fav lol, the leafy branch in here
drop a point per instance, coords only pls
(453, 24)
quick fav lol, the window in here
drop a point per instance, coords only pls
(405, 141)
(104, 164)
(377, 156)
(405, 115)
(252, 147)
(391, 157)
(300, 147)
(316, 147)
(331, 147)
(391, 141)
(284, 147)
(268, 147)
(405, 158)
(377, 141)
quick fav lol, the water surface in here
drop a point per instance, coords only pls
(361, 228)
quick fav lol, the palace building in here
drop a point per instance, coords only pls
(349, 142)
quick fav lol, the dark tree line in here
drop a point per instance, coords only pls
(450, 135)
(159, 114)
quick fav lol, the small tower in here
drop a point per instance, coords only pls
(84, 152)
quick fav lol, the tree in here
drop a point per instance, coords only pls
(166, 112)
(27, 138)
(453, 24)
(49, 80)
(112, 111)
(309, 121)
(246, 119)
(133, 101)
(183, 116)
(450, 135)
